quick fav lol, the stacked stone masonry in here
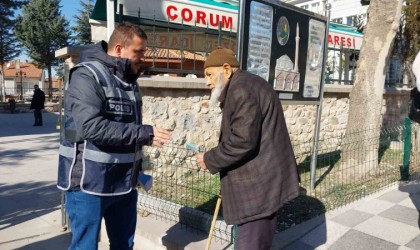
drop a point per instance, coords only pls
(188, 114)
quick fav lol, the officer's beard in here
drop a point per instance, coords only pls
(217, 91)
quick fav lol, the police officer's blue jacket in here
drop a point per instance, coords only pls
(102, 132)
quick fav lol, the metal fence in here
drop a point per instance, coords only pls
(351, 166)
(182, 192)
(19, 94)
(26, 94)
(179, 49)
(341, 65)
(345, 172)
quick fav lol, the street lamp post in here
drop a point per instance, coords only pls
(21, 74)
(3, 90)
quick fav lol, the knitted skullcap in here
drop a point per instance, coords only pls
(220, 56)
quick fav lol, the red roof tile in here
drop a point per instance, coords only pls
(30, 69)
(171, 54)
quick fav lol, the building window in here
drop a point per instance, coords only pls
(363, 18)
(305, 6)
(314, 7)
(337, 20)
(351, 20)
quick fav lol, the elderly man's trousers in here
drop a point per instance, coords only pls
(256, 235)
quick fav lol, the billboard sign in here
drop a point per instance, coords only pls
(206, 14)
(285, 46)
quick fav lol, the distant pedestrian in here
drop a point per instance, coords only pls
(37, 104)
(12, 105)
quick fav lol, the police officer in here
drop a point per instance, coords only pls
(100, 151)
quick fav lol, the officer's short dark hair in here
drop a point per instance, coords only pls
(124, 33)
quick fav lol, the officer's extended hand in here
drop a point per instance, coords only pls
(161, 137)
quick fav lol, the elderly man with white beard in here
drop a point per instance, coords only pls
(254, 157)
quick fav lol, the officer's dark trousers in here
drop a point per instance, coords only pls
(38, 117)
(257, 235)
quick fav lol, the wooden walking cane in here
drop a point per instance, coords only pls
(213, 223)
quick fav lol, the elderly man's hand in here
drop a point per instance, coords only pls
(200, 161)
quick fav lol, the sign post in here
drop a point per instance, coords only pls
(314, 155)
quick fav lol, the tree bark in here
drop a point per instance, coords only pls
(361, 143)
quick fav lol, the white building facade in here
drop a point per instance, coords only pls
(342, 11)
(341, 65)
(344, 38)
(316, 6)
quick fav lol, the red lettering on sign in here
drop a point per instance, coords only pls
(336, 40)
(201, 17)
(170, 15)
(343, 41)
(227, 22)
(184, 14)
(213, 22)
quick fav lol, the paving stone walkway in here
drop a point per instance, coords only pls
(386, 220)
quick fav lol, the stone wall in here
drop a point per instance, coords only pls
(20, 108)
(301, 119)
(185, 111)
(24, 107)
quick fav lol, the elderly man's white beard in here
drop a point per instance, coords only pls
(217, 91)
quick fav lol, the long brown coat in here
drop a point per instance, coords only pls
(254, 157)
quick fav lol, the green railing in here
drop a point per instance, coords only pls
(349, 167)
(354, 165)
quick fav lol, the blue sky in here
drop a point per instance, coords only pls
(69, 8)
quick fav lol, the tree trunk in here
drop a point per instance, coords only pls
(361, 143)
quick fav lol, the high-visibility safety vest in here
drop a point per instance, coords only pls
(107, 170)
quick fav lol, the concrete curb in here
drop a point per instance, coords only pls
(292, 234)
(177, 213)
(157, 234)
